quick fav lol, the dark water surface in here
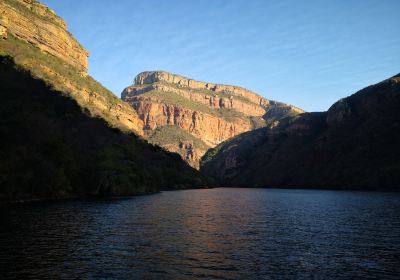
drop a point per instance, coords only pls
(206, 234)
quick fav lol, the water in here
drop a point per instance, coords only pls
(206, 234)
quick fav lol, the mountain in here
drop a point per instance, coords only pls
(39, 40)
(190, 117)
(61, 133)
(354, 145)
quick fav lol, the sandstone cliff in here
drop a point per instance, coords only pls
(212, 113)
(38, 40)
(35, 23)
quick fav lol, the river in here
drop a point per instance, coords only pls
(217, 233)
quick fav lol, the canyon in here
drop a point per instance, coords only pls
(203, 114)
(169, 131)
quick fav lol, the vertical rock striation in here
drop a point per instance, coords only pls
(38, 40)
(212, 113)
(35, 23)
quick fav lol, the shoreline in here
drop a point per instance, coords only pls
(119, 197)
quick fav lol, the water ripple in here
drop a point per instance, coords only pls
(206, 234)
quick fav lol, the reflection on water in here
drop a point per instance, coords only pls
(206, 234)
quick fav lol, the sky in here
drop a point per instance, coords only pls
(306, 53)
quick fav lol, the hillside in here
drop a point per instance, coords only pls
(354, 145)
(38, 40)
(62, 134)
(207, 114)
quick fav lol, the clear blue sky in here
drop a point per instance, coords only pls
(307, 53)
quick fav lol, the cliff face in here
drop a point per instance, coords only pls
(212, 113)
(33, 22)
(38, 40)
(211, 129)
(352, 145)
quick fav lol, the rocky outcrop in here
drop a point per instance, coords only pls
(213, 100)
(212, 113)
(3, 26)
(35, 23)
(188, 151)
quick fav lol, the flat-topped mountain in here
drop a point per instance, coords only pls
(189, 117)
(354, 145)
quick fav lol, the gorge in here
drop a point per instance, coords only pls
(170, 131)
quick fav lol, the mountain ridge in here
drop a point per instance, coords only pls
(210, 112)
(353, 145)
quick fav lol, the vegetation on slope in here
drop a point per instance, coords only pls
(51, 147)
(353, 145)
(171, 98)
(60, 75)
(171, 134)
(207, 92)
(21, 8)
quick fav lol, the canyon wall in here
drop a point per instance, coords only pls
(38, 40)
(35, 23)
(212, 113)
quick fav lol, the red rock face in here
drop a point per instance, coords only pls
(210, 129)
(210, 112)
(206, 97)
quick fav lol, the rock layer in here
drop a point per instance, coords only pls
(212, 113)
(151, 77)
(35, 23)
(38, 40)
(210, 129)
(214, 100)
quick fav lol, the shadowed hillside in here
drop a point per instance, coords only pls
(51, 147)
(355, 144)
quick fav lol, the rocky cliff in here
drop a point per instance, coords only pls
(354, 145)
(211, 113)
(36, 24)
(38, 40)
